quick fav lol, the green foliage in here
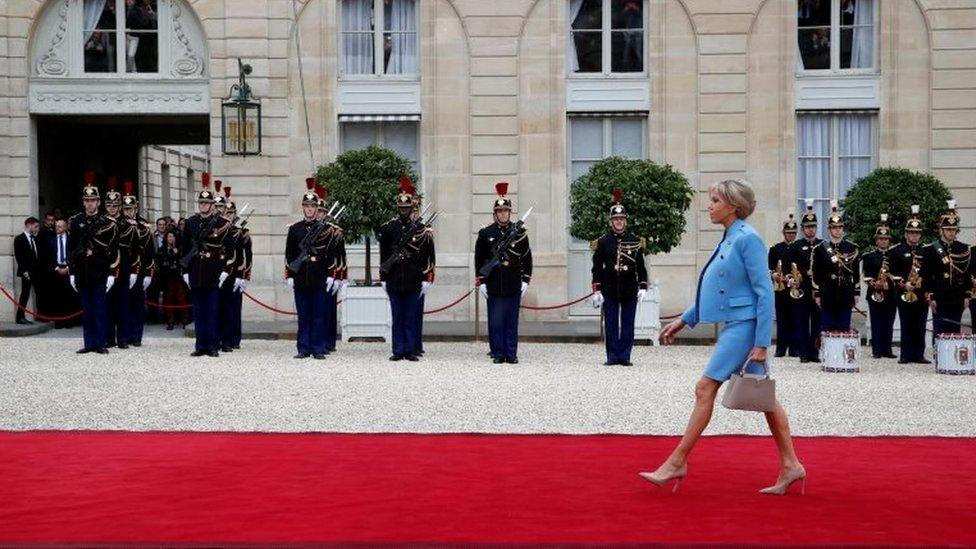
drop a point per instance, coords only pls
(365, 181)
(656, 198)
(893, 191)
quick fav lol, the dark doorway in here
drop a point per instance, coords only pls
(68, 146)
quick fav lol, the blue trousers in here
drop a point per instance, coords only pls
(618, 320)
(835, 318)
(419, 326)
(205, 318)
(331, 320)
(947, 318)
(503, 317)
(118, 306)
(785, 340)
(806, 327)
(912, 317)
(403, 306)
(311, 321)
(95, 320)
(229, 318)
(137, 312)
(882, 325)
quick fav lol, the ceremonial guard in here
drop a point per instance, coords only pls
(913, 311)
(336, 261)
(882, 290)
(307, 273)
(143, 254)
(231, 300)
(93, 245)
(418, 326)
(806, 314)
(118, 296)
(205, 247)
(779, 269)
(407, 271)
(948, 274)
(837, 276)
(503, 262)
(619, 283)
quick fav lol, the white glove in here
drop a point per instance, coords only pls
(133, 278)
(424, 286)
(71, 280)
(343, 283)
(109, 282)
(336, 287)
(483, 290)
(291, 282)
(641, 294)
(146, 282)
(597, 300)
(186, 279)
(525, 286)
(223, 278)
(329, 283)
(239, 285)
(383, 285)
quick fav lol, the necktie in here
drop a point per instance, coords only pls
(61, 254)
(33, 247)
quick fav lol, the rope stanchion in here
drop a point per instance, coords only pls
(269, 307)
(36, 314)
(453, 303)
(169, 307)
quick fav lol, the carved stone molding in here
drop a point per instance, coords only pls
(51, 64)
(111, 97)
(185, 61)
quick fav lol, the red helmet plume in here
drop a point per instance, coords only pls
(205, 180)
(227, 192)
(310, 183)
(128, 186)
(406, 186)
(501, 188)
(617, 196)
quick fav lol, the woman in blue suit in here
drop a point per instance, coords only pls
(735, 289)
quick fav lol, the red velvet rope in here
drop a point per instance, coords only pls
(35, 314)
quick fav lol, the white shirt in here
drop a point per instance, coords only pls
(30, 239)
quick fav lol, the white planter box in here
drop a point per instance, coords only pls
(365, 312)
(647, 324)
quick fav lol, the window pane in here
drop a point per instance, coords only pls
(98, 14)
(357, 15)
(813, 164)
(579, 169)
(100, 51)
(358, 135)
(857, 48)
(399, 15)
(627, 51)
(814, 45)
(586, 14)
(628, 137)
(400, 53)
(587, 136)
(141, 52)
(588, 55)
(812, 13)
(856, 135)
(140, 15)
(627, 14)
(357, 53)
(401, 138)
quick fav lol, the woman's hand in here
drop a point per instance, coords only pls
(671, 330)
(757, 354)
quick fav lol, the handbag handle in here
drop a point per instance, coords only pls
(765, 365)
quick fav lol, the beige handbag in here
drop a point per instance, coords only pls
(750, 392)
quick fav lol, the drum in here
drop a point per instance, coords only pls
(954, 354)
(840, 351)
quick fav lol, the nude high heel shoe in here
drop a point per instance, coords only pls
(661, 480)
(783, 487)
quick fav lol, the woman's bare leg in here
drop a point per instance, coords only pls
(705, 391)
(779, 426)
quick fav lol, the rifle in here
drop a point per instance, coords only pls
(306, 245)
(86, 238)
(245, 217)
(500, 250)
(205, 229)
(403, 250)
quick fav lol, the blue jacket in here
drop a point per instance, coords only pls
(735, 284)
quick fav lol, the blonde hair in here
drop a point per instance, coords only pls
(737, 193)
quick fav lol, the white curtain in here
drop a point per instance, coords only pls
(813, 170)
(92, 13)
(574, 9)
(862, 46)
(856, 137)
(401, 19)
(357, 36)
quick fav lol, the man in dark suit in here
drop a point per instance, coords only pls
(26, 253)
(63, 301)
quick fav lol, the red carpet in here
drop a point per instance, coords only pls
(221, 488)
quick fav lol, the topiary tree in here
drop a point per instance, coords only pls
(893, 191)
(656, 198)
(366, 182)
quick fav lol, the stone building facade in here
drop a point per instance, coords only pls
(475, 91)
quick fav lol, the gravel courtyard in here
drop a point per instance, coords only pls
(558, 388)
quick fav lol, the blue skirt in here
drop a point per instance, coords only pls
(735, 341)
